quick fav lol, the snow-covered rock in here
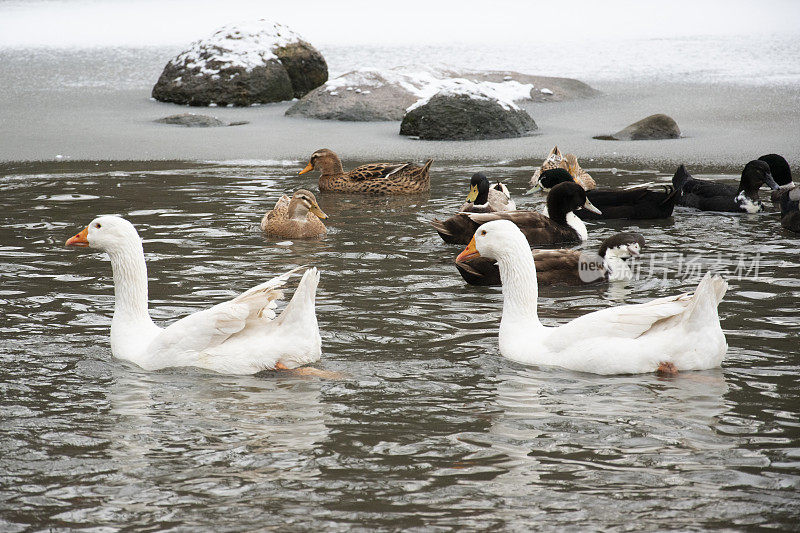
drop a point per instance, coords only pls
(464, 109)
(243, 64)
(384, 94)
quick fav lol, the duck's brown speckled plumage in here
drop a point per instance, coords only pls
(375, 178)
(581, 177)
(553, 160)
(291, 218)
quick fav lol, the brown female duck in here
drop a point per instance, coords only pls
(376, 178)
(296, 218)
(581, 177)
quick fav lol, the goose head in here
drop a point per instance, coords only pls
(495, 240)
(755, 174)
(324, 160)
(302, 202)
(107, 233)
(565, 198)
(478, 189)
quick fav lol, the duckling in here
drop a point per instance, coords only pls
(571, 267)
(561, 226)
(581, 177)
(713, 196)
(636, 203)
(376, 178)
(553, 160)
(485, 198)
(298, 218)
(790, 212)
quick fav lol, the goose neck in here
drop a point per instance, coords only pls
(130, 283)
(520, 290)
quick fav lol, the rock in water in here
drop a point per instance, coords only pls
(370, 94)
(654, 127)
(191, 120)
(464, 110)
(254, 63)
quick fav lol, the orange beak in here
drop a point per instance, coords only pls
(79, 239)
(469, 251)
(309, 168)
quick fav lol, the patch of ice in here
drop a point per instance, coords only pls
(248, 45)
(546, 91)
(505, 92)
(334, 93)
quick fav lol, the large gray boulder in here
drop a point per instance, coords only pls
(375, 95)
(466, 111)
(241, 65)
(654, 127)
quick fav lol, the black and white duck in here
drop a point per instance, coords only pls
(713, 196)
(570, 267)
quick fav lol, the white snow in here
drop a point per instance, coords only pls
(424, 83)
(546, 91)
(247, 45)
(505, 92)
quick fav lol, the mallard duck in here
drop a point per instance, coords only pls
(713, 196)
(240, 336)
(377, 178)
(635, 203)
(674, 333)
(553, 160)
(298, 218)
(790, 210)
(561, 226)
(581, 177)
(571, 267)
(486, 198)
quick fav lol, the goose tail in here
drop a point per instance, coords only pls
(702, 308)
(298, 322)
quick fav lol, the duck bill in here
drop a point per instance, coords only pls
(473, 193)
(309, 168)
(535, 188)
(469, 252)
(590, 207)
(80, 239)
(317, 211)
(770, 181)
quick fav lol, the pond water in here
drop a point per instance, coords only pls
(430, 428)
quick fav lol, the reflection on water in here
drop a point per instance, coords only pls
(432, 428)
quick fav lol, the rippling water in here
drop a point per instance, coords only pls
(431, 428)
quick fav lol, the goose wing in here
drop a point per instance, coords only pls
(207, 329)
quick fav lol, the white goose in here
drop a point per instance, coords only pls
(668, 334)
(240, 336)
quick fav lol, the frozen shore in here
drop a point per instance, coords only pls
(723, 124)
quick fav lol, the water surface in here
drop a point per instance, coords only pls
(431, 428)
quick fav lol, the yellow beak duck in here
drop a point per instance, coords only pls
(486, 198)
(297, 218)
(376, 178)
(677, 332)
